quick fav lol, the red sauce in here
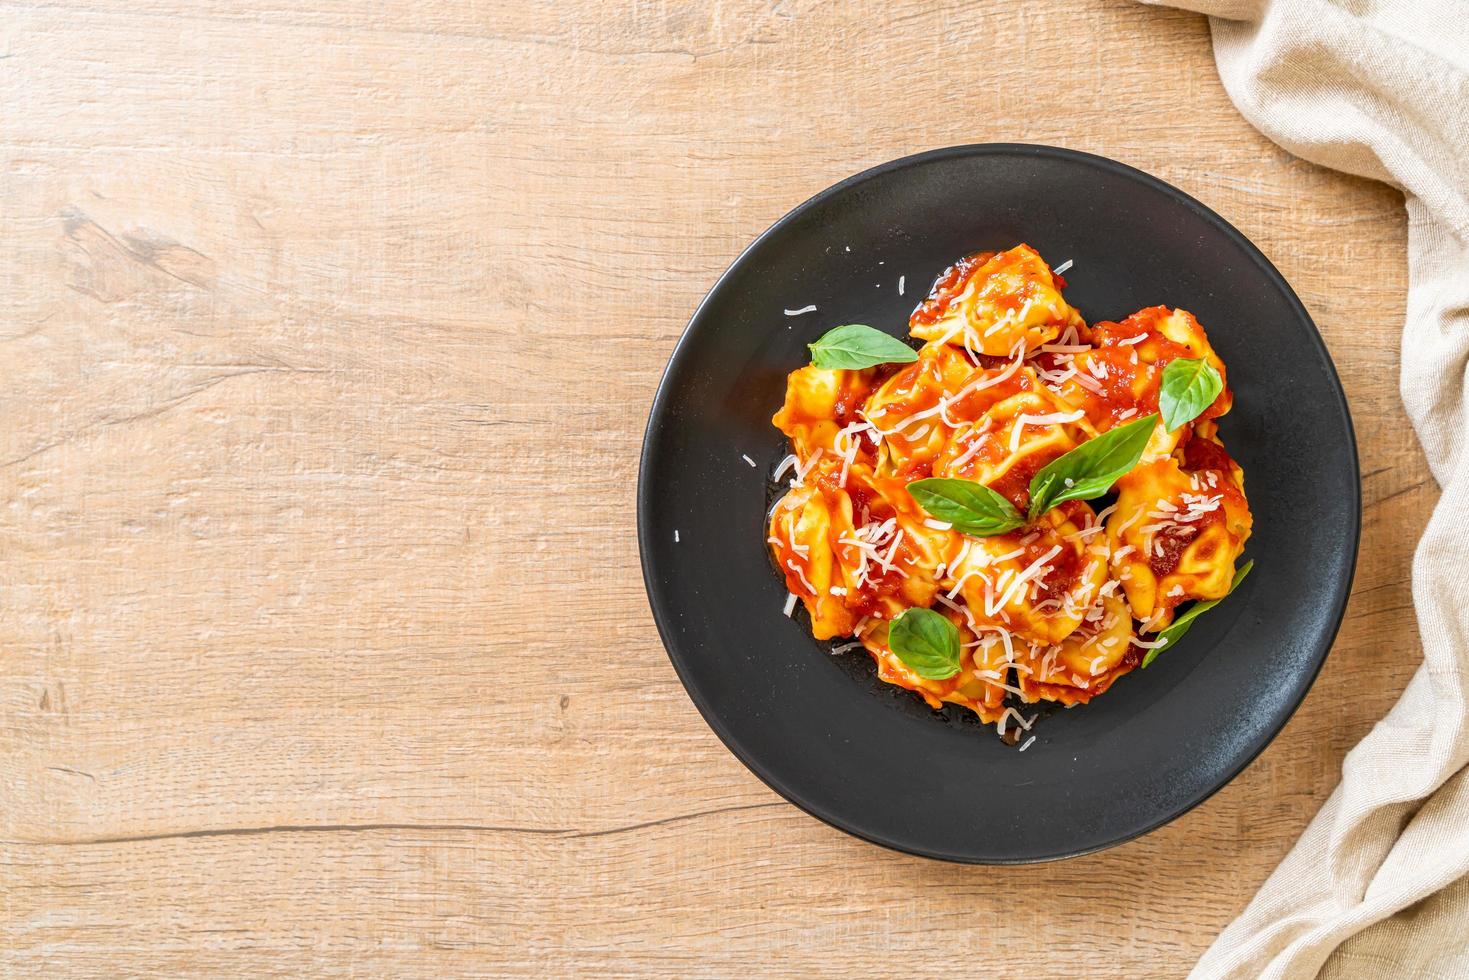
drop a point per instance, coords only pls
(1154, 351)
(976, 403)
(864, 498)
(1014, 484)
(1108, 333)
(946, 287)
(1220, 405)
(1065, 567)
(1049, 363)
(849, 400)
(1173, 546)
(882, 373)
(914, 468)
(1119, 385)
(1174, 543)
(876, 592)
(784, 556)
(881, 583)
(1010, 302)
(868, 503)
(1205, 454)
(916, 388)
(907, 376)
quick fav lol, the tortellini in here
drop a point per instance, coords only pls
(992, 303)
(1009, 379)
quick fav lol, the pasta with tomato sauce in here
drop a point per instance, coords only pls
(1013, 405)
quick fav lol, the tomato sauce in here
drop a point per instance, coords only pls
(1014, 483)
(1065, 567)
(1121, 393)
(916, 388)
(1131, 660)
(1144, 378)
(865, 499)
(785, 557)
(1205, 454)
(1173, 542)
(914, 468)
(1009, 302)
(849, 400)
(946, 288)
(875, 595)
(974, 404)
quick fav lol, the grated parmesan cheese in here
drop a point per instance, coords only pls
(1088, 382)
(1024, 419)
(1018, 352)
(1031, 570)
(801, 471)
(967, 456)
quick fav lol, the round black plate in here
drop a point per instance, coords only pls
(873, 760)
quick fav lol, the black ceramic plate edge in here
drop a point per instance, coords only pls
(650, 434)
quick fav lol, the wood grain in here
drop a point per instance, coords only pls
(329, 335)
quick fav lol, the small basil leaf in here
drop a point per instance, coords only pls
(927, 642)
(971, 507)
(856, 346)
(1189, 386)
(1183, 623)
(1091, 467)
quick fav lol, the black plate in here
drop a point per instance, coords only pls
(871, 759)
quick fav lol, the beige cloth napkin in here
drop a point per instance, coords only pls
(1378, 885)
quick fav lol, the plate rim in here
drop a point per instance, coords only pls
(658, 409)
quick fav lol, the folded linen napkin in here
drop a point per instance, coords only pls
(1378, 885)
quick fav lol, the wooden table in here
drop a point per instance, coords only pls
(329, 336)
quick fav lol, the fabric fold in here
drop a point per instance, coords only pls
(1378, 884)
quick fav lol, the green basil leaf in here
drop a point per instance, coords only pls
(971, 507)
(1183, 623)
(1091, 467)
(926, 642)
(856, 346)
(1189, 387)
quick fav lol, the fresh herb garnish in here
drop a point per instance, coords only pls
(1091, 468)
(856, 346)
(925, 641)
(971, 507)
(1183, 623)
(1189, 386)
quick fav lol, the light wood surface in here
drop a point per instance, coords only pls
(329, 335)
